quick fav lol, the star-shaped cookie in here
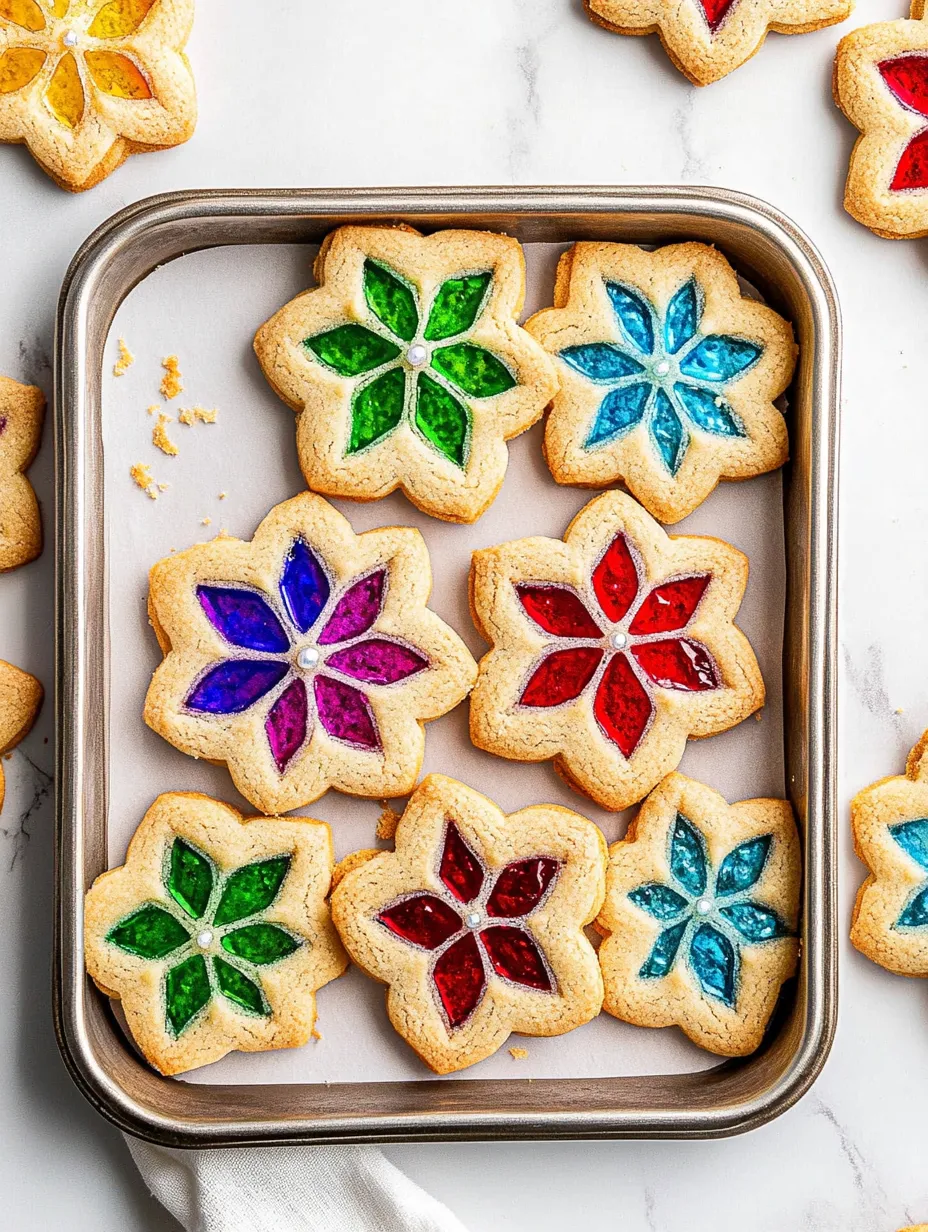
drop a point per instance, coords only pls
(20, 699)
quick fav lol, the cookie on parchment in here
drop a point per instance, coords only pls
(20, 699)
(22, 410)
(407, 367)
(86, 83)
(668, 374)
(215, 934)
(890, 824)
(701, 914)
(476, 922)
(707, 39)
(881, 84)
(610, 649)
(305, 659)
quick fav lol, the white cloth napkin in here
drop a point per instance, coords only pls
(288, 1189)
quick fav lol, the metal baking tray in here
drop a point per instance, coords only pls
(729, 1098)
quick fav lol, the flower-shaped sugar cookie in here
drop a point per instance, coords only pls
(305, 659)
(610, 649)
(407, 367)
(215, 933)
(20, 699)
(86, 83)
(707, 39)
(476, 922)
(881, 85)
(700, 915)
(22, 409)
(668, 374)
(890, 823)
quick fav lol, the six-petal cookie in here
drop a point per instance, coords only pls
(86, 83)
(476, 922)
(890, 824)
(304, 659)
(20, 699)
(610, 649)
(668, 374)
(407, 367)
(881, 85)
(700, 915)
(22, 410)
(707, 39)
(215, 933)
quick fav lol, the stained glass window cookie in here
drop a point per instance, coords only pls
(20, 699)
(475, 922)
(610, 649)
(407, 367)
(305, 659)
(86, 83)
(707, 39)
(22, 410)
(881, 85)
(890, 824)
(668, 374)
(215, 934)
(701, 915)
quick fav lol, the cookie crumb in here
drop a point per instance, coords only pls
(207, 521)
(223, 495)
(163, 487)
(387, 822)
(900, 711)
(190, 415)
(124, 361)
(518, 1054)
(160, 438)
(155, 408)
(141, 477)
(759, 715)
(316, 1033)
(171, 382)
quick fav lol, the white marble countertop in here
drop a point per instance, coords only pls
(301, 93)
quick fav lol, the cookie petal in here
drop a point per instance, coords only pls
(442, 419)
(460, 979)
(557, 610)
(377, 408)
(623, 707)
(304, 585)
(742, 868)
(708, 410)
(352, 349)
(234, 685)
(668, 432)
(670, 606)
(720, 358)
(561, 676)
(423, 919)
(457, 306)
(682, 319)
(634, 316)
(515, 956)
(912, 837)
(713, 960)
(345, 713)
(664, 952)
(473, 369)
(620, 411)
(260, 943)
(460, 870)
(236, 987)
(190, 878)
(244, 618)
(287, 724)
(251, 889)
(659, 901)
(186, 992)
(601, 362)
(390, 300)
(907, 77)
(377, 661)
(356, 610)
(521, 886)
(755, 922)
(688, 862)
(678, 663)
(149, 933)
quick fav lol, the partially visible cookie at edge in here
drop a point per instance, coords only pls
(22, 411)
(20, 699)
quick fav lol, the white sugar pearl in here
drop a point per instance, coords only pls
(703, 906)
(307, 658)
(417, 355)
(662, 368)
(473, 919)
(619, 640)
(70, 39)
(205, 939)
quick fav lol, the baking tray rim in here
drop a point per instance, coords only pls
(77, 387)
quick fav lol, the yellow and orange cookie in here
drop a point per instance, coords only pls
(215, 934)
(610, 649)
(305, 659)
(881, 84)
(701, 914)
(668, 374)
(20, 699)
(86, 83)
(407, 367)
(890, 824)
(707, 39)
(475, 922)
(22, 410)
